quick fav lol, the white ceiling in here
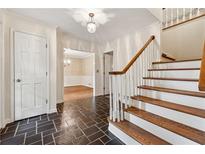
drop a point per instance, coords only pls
(121, 21)
(77, 54)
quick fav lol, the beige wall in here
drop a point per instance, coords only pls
(14, 22)
(184, 41)
(79, 66)
(75, 68)
(87, 66)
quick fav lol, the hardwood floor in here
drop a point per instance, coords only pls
(73, 93)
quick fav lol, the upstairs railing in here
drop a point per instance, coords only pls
(123, 84)
(176, 16)
(202, 72)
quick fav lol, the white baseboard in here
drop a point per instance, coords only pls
(6, 122)
(52, 110)
(60, 100)
(78, 85)
(87, 85)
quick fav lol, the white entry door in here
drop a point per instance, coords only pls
(30, 75)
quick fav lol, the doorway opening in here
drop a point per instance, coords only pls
(79, 75)
(107, 67)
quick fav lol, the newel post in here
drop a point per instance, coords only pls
(202, 72)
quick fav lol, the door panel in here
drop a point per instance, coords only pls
(30, 75)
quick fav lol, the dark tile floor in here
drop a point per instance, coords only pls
(79, 122)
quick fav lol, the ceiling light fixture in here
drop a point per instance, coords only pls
(66, 61)
(91, 26)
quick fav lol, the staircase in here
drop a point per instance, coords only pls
(162, 106)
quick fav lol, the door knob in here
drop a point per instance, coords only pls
(18, 80)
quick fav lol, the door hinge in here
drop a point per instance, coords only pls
(46, 101)
(46, 73)
(46, 45)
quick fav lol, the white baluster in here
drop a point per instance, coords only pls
(164, 18)
(177, 15)
(121, 98)
(129, 89)
(117, 99)
(114, 98)
(190, 13)
(184, 14)
(111, 101)
(171, 16)
(166, 14)
(198, 12)
(135, 79)
(126, 86)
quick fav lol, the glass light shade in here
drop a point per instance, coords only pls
(91, 27)
(67, 62)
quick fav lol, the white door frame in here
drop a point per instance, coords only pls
(94, 71)
(106, 52)
(12, 79)
(2, 76)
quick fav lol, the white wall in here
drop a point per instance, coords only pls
(157, 12)
(74, 68)
(184, 41)
(14, 22)
(126, 46)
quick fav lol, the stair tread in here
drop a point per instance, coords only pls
(178, 128)
(175, 91)
(173, 79)
(173, 69)
(140, 135)
(170, 105)
(176, 61)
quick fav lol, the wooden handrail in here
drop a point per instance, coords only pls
(126, 68)
(202, 72)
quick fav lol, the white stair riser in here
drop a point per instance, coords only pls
(181, 85)
(191, 64)
(197, 102)
(191, 74)
(187, 119)
(121, 135)
(167, 135)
